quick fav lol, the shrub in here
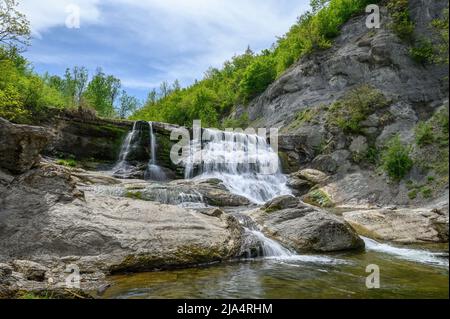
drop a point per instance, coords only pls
(427, 192)
(241, 122)
(424, 134)
(372, 155)
(396, 159)
(423, 52)
(355, 107)
(402, 23)
(412, 194)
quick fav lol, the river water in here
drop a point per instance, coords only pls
(405, 272)
(340, 275)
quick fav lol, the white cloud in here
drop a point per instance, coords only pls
(46, 14)
(167, 39)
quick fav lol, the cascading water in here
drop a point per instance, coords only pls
(267, 247)
(122, 163)
(154, 171)
(246, 164)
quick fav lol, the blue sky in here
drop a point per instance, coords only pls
(145, 42)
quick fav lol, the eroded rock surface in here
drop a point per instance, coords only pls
(20, 146)
(403, 225)
(305, 228)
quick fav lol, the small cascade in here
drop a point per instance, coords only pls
(154, 172)
(122, 164)
(415, 255)
(246, 164)
(267, 247)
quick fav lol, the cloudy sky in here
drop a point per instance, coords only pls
(144, 42)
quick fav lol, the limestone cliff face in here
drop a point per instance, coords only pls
(299, 103)
(359, 56)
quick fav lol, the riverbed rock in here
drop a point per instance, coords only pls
(211, 192)
(44, 222)
(305, 228)
(20, 146)
(403, 225)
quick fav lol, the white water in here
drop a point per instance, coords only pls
(154, 171)
(125, 150)
(416, 255)
(246, 164)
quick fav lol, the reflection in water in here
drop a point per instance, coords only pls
(316, 277)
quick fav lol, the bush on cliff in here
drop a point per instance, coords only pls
(396, 159)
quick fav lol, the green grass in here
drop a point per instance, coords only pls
(424, 134)
(134, 195)
(67, 162)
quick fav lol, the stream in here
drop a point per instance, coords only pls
(405, 272)
(341, 275)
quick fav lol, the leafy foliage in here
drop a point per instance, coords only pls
(396, 159)
(247, 75)
(402, 25)
(441, 25)
(355, 107)
(14, 27)
(424, 134)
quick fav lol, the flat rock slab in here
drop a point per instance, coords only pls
(422, 225)
(117, 234)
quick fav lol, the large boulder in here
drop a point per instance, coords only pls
(106, 233)
(20, 146)
(404, 225)
(305, 228)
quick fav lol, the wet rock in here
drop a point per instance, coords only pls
(305, 228)
(20, 146)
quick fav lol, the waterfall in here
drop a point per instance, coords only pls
(246, 164)
(154, 172)
(122, 163)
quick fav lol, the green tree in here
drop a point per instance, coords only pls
(257, 77)
(102, 92)
(14, 26)
(128, 105)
